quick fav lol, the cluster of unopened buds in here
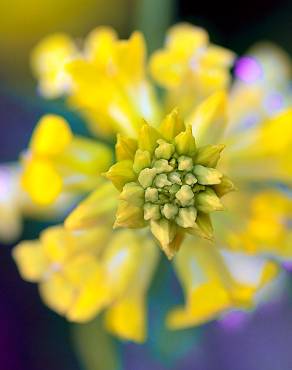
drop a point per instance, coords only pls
(167, 181)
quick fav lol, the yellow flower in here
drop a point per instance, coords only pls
(83, 273)
(168, 183)
(168, 177)
(225, 279)
(108, 83)
(57, 161)
(189, 68)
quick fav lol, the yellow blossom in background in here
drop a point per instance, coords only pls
(57, 161)
(169, 177)
(83, 273)
(189, 67)
(107, 81)
(214, 283)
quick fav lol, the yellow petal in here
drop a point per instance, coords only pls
(120, 262)
(125, 148)
(121, 173)
(31, 260)
(51, 136)
(57, 243)
(168, 235)
(129, 215)
(127, 317)
(216, 56)
(208, 155)
(99, 45)
(203, 227)
(92, 295)
(148, 137)
(185, 37)
(172, 125)
(206, 285)
(185, 143)
(86, 156)
(209, 119)
(41, 181)
(55, 287)
(96, 209)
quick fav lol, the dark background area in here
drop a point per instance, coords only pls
(34, 338)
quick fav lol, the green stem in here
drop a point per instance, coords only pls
(153, 17)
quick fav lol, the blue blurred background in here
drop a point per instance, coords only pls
(31, 336)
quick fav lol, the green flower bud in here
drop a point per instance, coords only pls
(185, 143)
(185, 195)
(151, 195)
(169, 210)
(142, 160)
(185, 163)
(161, 180)
(207, 176)
(164, 150)
(190, 179)
(166, 233)
(209, 155)
(207, 201)
(175, 178)
(147, 176)
(162, 165)
(186, 217)
(151, 212)
(133, 194)
(225, 186)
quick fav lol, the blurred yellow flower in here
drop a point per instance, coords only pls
(106, 81)
(189, 67)
(57, 161)
(82, 273)
(95, 270)
(167, 176)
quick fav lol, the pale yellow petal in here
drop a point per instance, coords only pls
(31, 260)
(51, 136)
(209, 119)
(96, 209)
(42, 182)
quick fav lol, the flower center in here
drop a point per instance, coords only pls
(174, 186)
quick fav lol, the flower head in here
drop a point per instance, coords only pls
(169, 177)
(168, 183)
